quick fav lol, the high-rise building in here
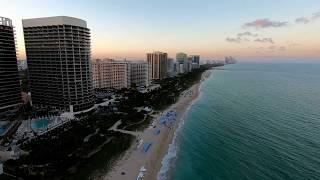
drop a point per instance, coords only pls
(189, 64)
(175, 68)
(230, 60)
(10, 92)
(170, 68)
(195, 61)
(101, 73)
(109, 73)
(157, 65)
(182, 60)
(138, 73)
(58, 58)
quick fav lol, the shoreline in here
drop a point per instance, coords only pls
(129, 165)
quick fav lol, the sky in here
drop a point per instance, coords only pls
(252, 30)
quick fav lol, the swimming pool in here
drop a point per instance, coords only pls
(39, 123)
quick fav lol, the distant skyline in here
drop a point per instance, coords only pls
(246, 29)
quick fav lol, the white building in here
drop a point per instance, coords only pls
(138, 73)
(181, 68)
(109, 73)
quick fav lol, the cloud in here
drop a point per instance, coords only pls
(264, 40)
(277, 48)
(265, 23)
(234, 40)
(306, 20)
(302, 20)
(316, 15)
(242, 37)
(249, 34)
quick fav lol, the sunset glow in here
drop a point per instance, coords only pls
(248, 30)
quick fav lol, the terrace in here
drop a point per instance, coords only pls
(38, 126)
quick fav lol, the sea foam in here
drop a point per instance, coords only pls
(166, 162)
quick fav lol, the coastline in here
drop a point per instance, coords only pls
(129, 165)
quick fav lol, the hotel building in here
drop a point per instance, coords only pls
(138, 73)
(109, 74)
(157, 65)
(10, 92)
(58, 58)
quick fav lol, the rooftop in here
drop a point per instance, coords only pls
(5, 21)
(55, 20)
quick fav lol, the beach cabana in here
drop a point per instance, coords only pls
(156, 132)
(146, 147)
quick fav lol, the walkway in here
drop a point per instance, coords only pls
(115, 128)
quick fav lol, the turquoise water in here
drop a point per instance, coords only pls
(39, 123)
(253, 122)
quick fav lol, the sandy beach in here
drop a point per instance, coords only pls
(129, 166)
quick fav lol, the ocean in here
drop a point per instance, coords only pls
(252, 121)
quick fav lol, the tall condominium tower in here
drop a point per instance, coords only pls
(195, 61)
(170, 67)
(157, 65)
(182, 60)
(58, 58)
(10, 92)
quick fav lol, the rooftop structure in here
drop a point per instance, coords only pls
(54, 21)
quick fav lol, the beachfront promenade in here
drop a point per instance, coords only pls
(115, 128)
